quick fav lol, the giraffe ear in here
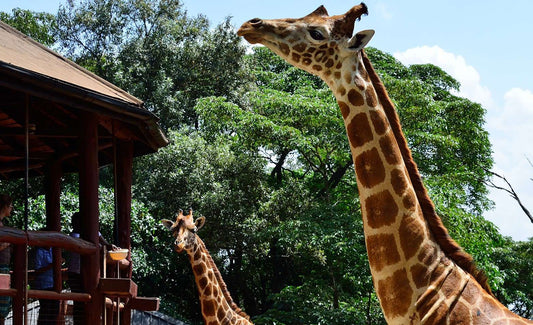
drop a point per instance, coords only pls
(320, 11)
(360, 40)
(199, 223)
(167, 223)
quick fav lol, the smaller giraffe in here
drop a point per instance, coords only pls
(217, 305)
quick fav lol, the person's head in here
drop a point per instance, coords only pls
(6, 205)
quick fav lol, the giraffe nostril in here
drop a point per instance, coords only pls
(256, 21)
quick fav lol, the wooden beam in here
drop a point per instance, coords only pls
(144, 303)
(52, 295)
(8, 292)
(118, 287)
(47, 239)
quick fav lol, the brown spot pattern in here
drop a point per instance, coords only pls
(319, 55)
(460, 314)
(207, 291)
(371, 99)
(345, 110)
(420, 275)
(360, 83)
(208, 307)
(398, 181)
(363, 73)
(394, 293)
(220, 314)
(202, 283)
(355, 98)
(369, 168)
(411, 236)
(390, 150)
(409, 201)
(381, 209)
(300, 47)
(317, 67)
(296, 57)
(199, 268)
(427, 255)
(382, 251)
(359, 131)
(379, 120)
(284, 48)
(348, 77)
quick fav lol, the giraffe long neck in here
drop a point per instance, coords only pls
(420, 274)
(217, 305)
(402, 251)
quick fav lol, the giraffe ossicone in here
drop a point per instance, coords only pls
(217, 305)
(421, 276)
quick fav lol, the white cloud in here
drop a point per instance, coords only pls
(510, 127)
(453, 64)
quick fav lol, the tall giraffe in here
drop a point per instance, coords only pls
(421, 276)
(216, 302)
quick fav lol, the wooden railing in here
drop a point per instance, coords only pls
(107, 287)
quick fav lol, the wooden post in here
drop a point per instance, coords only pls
(53, 215)
(123, 172)
(124, 166)
(19, 282)
(88, 167)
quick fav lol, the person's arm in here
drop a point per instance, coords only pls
(109, 247)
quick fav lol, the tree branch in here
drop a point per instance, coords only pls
(509, 190)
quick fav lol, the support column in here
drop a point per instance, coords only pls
(19, 283)
(124, 166)
(123, 173)
(53, 215)
(88, 175)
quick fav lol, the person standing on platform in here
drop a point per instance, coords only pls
(6, 207)
(44, 280)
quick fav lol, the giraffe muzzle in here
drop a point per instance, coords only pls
(179, 246)
(250, 30)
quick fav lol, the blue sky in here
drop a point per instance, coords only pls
(486, 45)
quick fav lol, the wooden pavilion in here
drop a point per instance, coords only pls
(57, 118)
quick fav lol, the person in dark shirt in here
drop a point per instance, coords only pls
(44, 280)
(6, 207)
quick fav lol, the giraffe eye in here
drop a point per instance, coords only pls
(317, 35)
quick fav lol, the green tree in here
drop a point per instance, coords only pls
(152, 49)
(259, 148)
(37, 25)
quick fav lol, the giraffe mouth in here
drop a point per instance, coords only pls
(250, 36)
(250, 31)
(179, 246)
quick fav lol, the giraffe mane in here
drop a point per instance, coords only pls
(221, 282)
(449, 246)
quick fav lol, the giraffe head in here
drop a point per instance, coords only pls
(184, 230)
(316, 43)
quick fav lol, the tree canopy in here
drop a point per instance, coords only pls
(259, 148)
